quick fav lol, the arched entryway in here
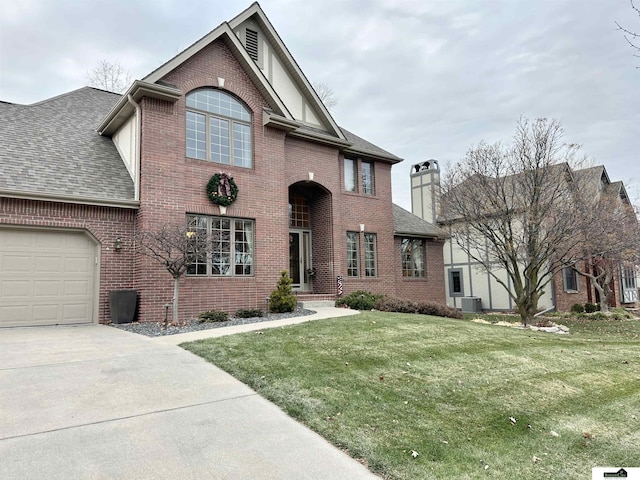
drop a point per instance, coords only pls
(310, 238)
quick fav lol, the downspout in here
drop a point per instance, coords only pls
(136, 185)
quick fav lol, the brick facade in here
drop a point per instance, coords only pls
(173, 186)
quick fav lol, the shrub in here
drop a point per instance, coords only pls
(359, 300)
(213, 316)
(249, 313)
(577, 308)
(590, 307)
(282, 298)
(599, 316)
(388, 303)
(621, 314)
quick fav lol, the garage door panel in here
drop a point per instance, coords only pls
(74, 313)
(16, 263)
(47, 264)
(46, 288)
(81, 265)
(46, 277)
(15, 289)
(75, 288)
(46, 314)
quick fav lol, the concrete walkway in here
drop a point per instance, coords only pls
(321, 313)
(95, 402)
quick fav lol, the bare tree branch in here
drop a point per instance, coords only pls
(176, 248)
(110, 76)
(326, 94)
(511, 209)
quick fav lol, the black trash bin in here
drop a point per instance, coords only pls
(122, 305)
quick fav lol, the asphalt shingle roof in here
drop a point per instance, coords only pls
(361, 145)
(407, 223)
(51, 147)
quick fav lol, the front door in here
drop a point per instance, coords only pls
(300, 259)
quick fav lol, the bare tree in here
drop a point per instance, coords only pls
(632, 38)
(110, 76)
(326, 94)
(176, 248)
(609, 240)
(510, 209)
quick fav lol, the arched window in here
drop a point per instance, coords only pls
(218, 128)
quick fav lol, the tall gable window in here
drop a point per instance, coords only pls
(218, 128)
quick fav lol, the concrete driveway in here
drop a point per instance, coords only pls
(94, 402)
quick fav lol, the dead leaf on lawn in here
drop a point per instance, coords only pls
(414, 454)
(536, 459)
(512, 420)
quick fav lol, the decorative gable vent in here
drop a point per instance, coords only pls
(251, 43)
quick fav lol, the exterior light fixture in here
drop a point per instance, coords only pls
(117, 245)
(362, 227)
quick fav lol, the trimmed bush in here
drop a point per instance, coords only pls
(282, 299)
(359, 300)
(577, 308)
(590, 307)
(389, 303)
(213, 316)
(249, 313)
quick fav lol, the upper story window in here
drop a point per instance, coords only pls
(359, 176)
(367, 178)
(218, 128)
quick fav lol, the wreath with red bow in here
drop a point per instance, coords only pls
(222, 190)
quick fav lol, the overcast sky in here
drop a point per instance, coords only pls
(421, 78)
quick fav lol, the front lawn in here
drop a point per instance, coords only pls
(417, 397)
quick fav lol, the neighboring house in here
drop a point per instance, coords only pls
(81, 173)
(471, 288)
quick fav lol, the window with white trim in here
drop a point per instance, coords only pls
(231, 245)
(218, 128)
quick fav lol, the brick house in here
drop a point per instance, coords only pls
(81, 173)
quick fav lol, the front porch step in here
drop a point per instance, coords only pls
(315, 300)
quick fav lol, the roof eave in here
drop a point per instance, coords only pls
(123, 109)
(385, 158)
(320, 138)
(60, 198)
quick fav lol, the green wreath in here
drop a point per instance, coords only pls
(222, 190)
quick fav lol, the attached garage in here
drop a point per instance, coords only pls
(47, 277)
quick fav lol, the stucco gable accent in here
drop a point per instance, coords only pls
(255, 12)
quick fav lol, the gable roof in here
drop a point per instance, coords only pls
(406, 223)
(50, 148)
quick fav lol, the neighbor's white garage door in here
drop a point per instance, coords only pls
(46, 277)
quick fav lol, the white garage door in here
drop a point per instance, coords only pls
(46, 277)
